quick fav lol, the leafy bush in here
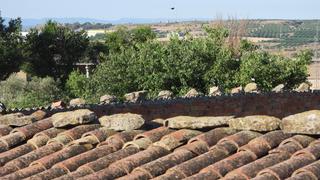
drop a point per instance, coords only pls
(77, 85)
(15, 92)
(270, 70)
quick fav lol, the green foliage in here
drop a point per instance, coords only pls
(15, 92)
(154, 66)
(115, 75)
(123, 37)
(77, 85)
(10, 47)
(269, 70)
(181, 64)
(142, 34)
(95, 52)
(54, 50)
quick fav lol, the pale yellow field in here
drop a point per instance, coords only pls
(93, 32)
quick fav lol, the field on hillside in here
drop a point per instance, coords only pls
(286, 33)
(286, 36)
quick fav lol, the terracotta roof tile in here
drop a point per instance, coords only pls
(176, 139)
(15, 153)
(119, 139)
(3, 146)
(293, 144)
(68, 152)
(7, 170)
(100, 134)
(286, 168)
(77, 132)
(170, 175)
(261, 145)
(194, 165)
(303, 176)
(25, 160)
(49, 174)
(213, 136)
(154, 134)
(144, 140)
(103, 162)
(265, 177)
(40, 151)
(4, 130)
(11, 140)
(41, 139)
(225, 147)
(112, 144)
(221, 168)
(159, 166)
(29, 130)
(24, 173)
(208, 175)
(137, 175)
(251, 170)
(73, 163)
(312, 150)
(241, 138)
(70, 135)
(311, 171)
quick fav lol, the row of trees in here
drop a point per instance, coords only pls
(88, 25)
(131, 60)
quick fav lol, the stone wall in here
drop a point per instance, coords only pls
(274, 104)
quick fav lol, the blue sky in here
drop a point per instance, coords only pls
(116, 9)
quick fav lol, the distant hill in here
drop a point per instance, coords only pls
(28, 23)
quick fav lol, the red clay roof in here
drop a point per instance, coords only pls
(40, 151)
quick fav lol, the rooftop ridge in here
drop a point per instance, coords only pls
(202, 105)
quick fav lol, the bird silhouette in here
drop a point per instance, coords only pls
(172, 8)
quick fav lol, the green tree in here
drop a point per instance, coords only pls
(95, 52)
(10, 47)
(142, 34)
(123, 37)
(54, 50)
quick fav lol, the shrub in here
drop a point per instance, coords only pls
(269, 71)
(77, 85)
(16, 93)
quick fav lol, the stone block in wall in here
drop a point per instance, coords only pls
(122, 122)
(259, 123)
(80, 116)
(188, 122)
(136, 96)
(304, 123)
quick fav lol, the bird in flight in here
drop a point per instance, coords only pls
(172, 8)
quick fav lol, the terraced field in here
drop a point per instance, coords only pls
(286, 33)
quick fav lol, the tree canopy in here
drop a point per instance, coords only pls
(10, 47)
(53, 50)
